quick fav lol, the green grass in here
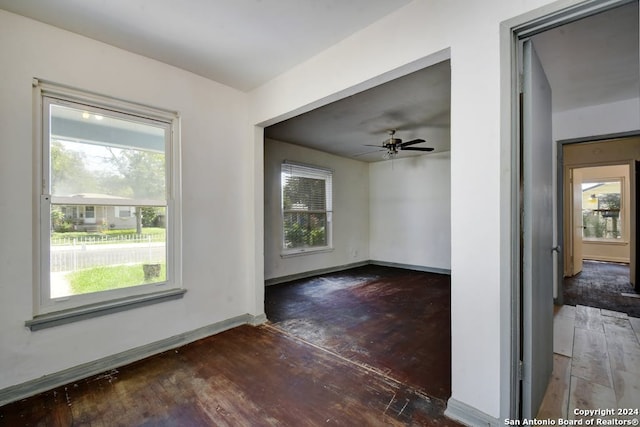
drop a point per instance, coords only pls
(106, 278)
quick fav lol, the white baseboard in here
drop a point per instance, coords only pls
(76, 373)
(468, 415)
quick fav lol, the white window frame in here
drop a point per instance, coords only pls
(308, 171)
(120, 209)
(49, 311)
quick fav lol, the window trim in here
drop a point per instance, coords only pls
(314, 171)
(100, 302)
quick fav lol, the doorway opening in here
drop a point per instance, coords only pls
(598, 223)
(533, 288)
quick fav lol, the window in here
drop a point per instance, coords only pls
(124, 211)
(103, 162)
(306, 208)
(601, 204)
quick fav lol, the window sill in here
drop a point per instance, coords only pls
(50, 320)
(306, 251)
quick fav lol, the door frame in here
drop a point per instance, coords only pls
(560, 193)
(512, 33)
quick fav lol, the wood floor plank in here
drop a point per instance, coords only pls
(590, 357)
(394, 320)
(611, 313)
(556, 398)
(622, 345)
(563, 330)
(635, 324)
(589, 318)
(627, 389)
(565, 311)
(589, 395)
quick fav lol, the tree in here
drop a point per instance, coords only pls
(144, 174)
(69, 174)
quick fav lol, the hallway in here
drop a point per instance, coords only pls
(596, 363)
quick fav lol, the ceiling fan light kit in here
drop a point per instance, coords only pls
(393, 145)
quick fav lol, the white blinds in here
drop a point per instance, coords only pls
(306, 188)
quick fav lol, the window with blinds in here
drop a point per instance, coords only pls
(306, 208)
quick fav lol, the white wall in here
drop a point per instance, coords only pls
(350, 211)
(216, 186)
(410, 211)
(480, 153)
(594, 120)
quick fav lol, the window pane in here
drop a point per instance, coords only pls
(304, 194)
(107, 251)
(601, 204)
(305, 229)
(98, 155)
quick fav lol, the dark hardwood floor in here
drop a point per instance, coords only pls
(394, 320)
(283, 373)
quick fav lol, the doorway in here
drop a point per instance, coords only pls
(530, 367)
(598, 202)
(597, 214)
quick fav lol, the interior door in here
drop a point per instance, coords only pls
(635, 226)
(577, 225)
(537, 240)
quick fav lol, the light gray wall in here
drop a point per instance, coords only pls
(594, 120)
(350, 211)
(218, 280)
(410, 211)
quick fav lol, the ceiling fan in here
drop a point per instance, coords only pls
(393, 145)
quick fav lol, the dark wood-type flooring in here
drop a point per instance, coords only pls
(601, 285)
(278, 374)
(394, 320)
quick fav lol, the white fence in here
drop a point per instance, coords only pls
(105, 239)
(71, 254)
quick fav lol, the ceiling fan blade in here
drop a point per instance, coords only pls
(413, 141)
(416, 148)
(371, 145)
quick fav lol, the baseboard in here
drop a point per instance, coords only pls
(412, 267)
(616, 260)
(76, 373)
(312, 273)
(468, 415)
(258, 320)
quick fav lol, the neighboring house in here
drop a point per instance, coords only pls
(95, 218)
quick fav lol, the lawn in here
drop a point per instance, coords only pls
(106, 278)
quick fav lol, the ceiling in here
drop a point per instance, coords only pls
(588, 62)
(416, 105)
(240, 43)
(594, 60)
(245, 43)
